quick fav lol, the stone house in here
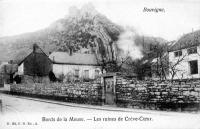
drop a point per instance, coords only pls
(184, 57)
(75, 66)
(35, 67)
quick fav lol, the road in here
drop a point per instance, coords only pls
(23, 112)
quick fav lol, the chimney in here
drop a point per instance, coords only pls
(34, 47)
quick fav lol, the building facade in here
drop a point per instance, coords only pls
(186, 63)
(184, 57)
(75, 66)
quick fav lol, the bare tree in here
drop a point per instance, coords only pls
(173, 70)
(160, 65)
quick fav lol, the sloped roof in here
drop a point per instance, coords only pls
(29, 51)
(75, 58)
(21, 58)
(186, 41)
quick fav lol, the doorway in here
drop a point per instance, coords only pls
(109, 90)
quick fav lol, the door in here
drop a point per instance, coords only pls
(109, 90)
(1, 80)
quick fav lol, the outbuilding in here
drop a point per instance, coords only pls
(36, 66)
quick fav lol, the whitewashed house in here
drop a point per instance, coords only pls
(184, 57)
(75, 66)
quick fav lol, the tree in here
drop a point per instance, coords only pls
(155, 57)
(160, 63)
(10, 69)
(173, 66)
(75, 35)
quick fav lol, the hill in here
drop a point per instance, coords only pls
(58, 33)
(79, 29)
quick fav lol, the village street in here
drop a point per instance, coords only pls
(24, 112)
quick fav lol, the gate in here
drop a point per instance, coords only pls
(1, 80)
(109, 90)
(109, 80)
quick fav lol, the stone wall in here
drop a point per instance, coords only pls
(158, 95)
(82, 92)
(129, 93)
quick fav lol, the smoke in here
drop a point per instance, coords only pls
(127, 45)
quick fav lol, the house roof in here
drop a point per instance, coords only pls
(29, 51)
(75, 58)
(186, 41)
(22, 57)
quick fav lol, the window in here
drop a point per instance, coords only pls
(193, 67)
(87, 52)
(86, 74)
(150, 55)
(77, 73)
(151, 47)
(192, 50)
(178, 53)
(96, 73)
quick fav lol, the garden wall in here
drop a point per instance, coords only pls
(158, 95)
(81, 92)
(129, 93)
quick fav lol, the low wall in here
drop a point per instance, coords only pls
(158, 95)
(134, 94)
(87, 92)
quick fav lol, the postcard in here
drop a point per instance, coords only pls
(99, 64)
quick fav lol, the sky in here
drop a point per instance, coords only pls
(179, 17)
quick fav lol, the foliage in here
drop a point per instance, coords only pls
(10, 68)
(80, 29)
